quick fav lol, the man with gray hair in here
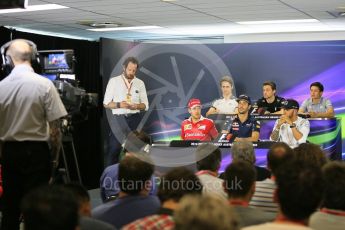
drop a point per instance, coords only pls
(204, 213)
(30, 109)
(245, 151)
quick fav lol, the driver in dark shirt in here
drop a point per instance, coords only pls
(270, 102)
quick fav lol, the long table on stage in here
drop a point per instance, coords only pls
(325, 132)
(182, 153)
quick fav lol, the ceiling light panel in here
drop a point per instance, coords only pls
(33, 8)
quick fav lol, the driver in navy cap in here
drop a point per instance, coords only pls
(290, 128)
(244, 127)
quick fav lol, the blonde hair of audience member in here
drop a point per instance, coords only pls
(204, 213)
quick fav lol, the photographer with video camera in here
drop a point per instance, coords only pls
(28, 103)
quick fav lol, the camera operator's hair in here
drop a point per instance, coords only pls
(132, 60)
(50, 207)
(134, 172)
(177, 183)
(20, 55)
(208, 157)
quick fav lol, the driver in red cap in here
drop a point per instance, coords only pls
(197, 127)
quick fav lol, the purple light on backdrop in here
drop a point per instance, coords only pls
(333, 80)
(260, 154)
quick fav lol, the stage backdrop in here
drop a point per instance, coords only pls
(174, 73)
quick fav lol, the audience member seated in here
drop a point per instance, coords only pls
(208, 159)
(290, 128)
(83, 198)
(299, 193)
(227, 104)
(245, 151)
(197, 127)
(263, 197)
(331, 216)
(136, 141)
(239, 183)
(311, 153)
(316, 105)
(270, 102)
(133, 201)
(174, 185)
(50, 207)
(205, 213)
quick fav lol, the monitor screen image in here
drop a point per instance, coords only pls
(56, 61)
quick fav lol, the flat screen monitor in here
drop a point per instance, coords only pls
(57, 61)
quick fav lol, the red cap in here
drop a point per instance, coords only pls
(194, 102)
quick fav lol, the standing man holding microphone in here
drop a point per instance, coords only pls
(126, 97)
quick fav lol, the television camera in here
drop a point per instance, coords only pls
(59, 66)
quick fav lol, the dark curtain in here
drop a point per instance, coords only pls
(87, 134)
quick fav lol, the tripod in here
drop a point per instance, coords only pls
(68, 139)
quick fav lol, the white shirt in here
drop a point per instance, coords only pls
(225, 106)
(320, 221)
(212, 185)
(28, 102)
(117, 91)
(286, 135)
(263, 196)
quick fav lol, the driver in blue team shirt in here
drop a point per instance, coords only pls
(243, 127)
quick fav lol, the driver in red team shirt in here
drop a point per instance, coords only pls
(197, 127)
